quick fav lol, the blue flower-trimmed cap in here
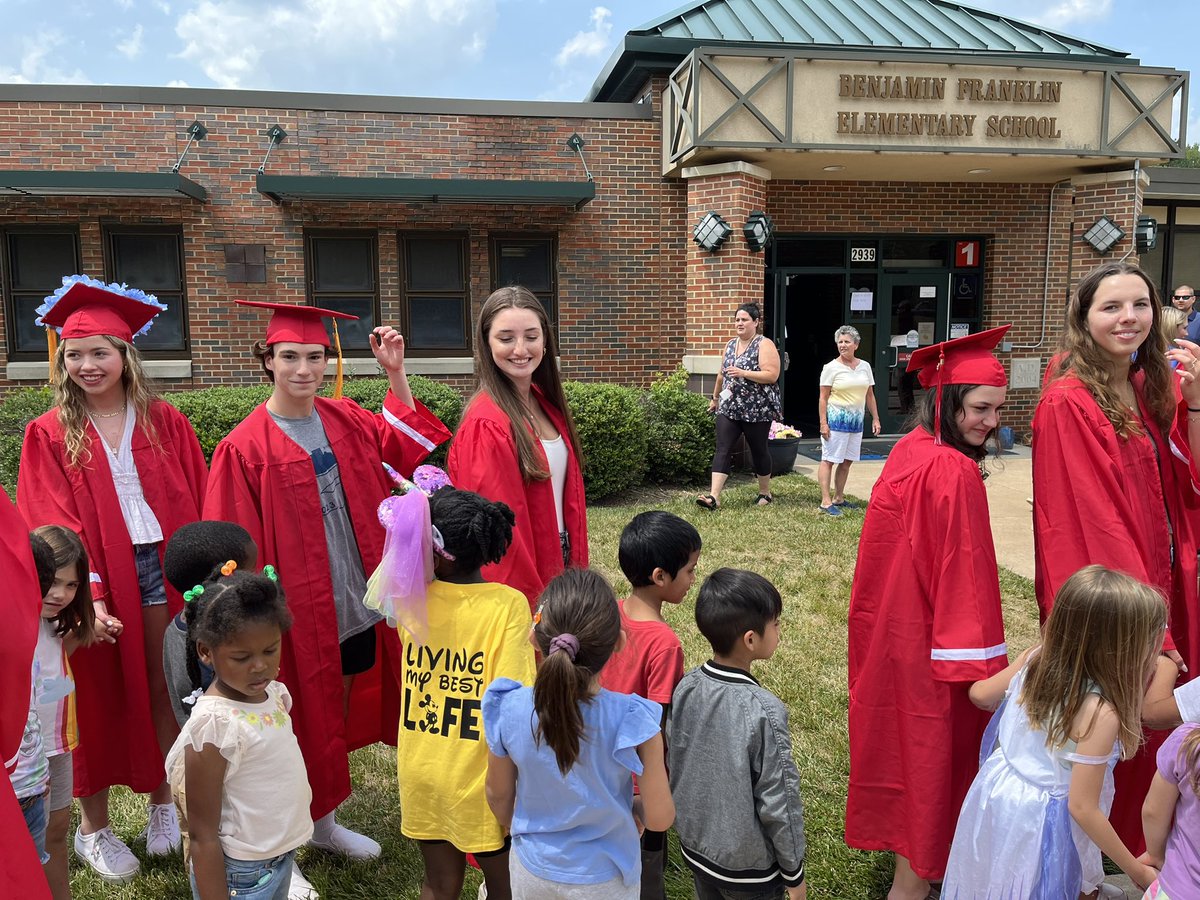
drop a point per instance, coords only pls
(85, 307)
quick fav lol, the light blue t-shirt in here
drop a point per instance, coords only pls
(577, 829)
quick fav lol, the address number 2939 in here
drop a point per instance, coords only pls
(862, 254)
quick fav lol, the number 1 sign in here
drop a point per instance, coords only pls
(966, 254)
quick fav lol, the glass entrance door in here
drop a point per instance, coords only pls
(913, 312)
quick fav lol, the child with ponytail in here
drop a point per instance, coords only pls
(236, 758)
(561, 754)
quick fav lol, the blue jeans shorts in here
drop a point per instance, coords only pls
(34, 810)
(150, 574)
(256, 879)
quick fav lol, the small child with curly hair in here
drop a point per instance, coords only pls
(236, 758)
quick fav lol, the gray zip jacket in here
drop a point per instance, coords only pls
(738, 810)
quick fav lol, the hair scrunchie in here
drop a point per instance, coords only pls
(568, 643)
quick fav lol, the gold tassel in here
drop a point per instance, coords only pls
(52, 346)
(337, 378)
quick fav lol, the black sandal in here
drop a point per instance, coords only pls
(761, 497)
(707, 501)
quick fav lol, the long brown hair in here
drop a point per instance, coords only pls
(579, 603)
(72, 405)
(78, 617)
(497, 386)
(1189, 755)
(1103, 634)
(1091, 365)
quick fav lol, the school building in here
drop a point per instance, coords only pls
(917, 168)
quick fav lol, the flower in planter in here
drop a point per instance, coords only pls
(780, 431)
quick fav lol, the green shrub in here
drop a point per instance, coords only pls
(215, 411)
(680, 432)
(612, 430)
(19, 408)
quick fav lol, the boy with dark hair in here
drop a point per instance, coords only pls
(739, 814)
(658, 554)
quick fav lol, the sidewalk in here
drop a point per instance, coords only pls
(1009, 484)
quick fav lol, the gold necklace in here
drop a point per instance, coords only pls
(111, 415)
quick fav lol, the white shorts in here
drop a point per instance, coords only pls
(841, 446)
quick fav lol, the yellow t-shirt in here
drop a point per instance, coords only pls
(477, 633)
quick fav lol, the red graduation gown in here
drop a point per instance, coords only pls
(117, 741)
(925, 622)
(483, 458)
(1100, 498)
(20, 872)
(265, 482)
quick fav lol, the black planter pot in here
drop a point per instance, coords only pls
(783, 454)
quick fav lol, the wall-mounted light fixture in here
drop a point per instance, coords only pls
(1145, 235)
(1103, 234)
(758, 230)
(711, 232)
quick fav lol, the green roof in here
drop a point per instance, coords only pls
(895, 25)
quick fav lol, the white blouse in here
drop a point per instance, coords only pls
(140, 520)
(556, 456)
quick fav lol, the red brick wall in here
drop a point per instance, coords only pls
(620, 259)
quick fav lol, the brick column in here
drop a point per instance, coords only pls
(1113, 194)
(718, 282)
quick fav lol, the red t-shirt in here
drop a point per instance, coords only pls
(651, 663)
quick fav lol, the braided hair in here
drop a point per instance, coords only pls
(475, 531)
(225, 604)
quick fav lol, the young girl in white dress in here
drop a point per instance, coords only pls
(1036, 818)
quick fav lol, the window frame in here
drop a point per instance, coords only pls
(107, 233)
(464, 242)
(551, 238)
(9, 300)
(313, 297)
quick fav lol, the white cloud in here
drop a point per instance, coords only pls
(125, 4)
(1057, 14)
(36, 62)
(587, 44)
(163, 7)
(376, 46)
(131, 47)
(177, 82)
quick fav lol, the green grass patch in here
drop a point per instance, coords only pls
(809, 557)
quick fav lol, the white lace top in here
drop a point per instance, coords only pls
(140, 520)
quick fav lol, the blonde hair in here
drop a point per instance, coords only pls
(1091, 365)
(1103, 634)
(72, 404)
(1189, 755)
(1172, 320)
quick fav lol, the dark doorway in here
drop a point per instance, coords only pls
(813, 304)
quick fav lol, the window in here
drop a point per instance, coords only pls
(434, 293)
(34, 263)
(151, 259)
(343, 271)
(530, 261)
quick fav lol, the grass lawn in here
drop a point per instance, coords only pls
(809, 557)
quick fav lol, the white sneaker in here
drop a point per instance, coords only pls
(348, 843)
(162, 830)
(300, 888)
(107, 855)
(482, 894)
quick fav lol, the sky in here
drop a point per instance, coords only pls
(480, 49)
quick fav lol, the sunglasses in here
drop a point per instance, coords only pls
(1182, 296)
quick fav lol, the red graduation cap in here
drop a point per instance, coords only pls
(296, 324)
(302, 325)
(85, 310)
(964, 360)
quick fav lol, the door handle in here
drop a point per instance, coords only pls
(895, 358)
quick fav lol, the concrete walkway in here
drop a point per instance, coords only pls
(1009, 487)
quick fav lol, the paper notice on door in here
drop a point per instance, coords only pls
(959, 329)
(928, 290)
(925, 330)
(862, 301)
